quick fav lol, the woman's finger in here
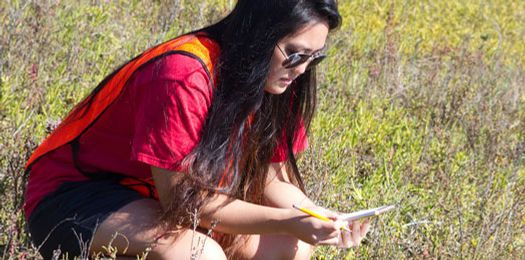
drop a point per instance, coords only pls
(346, 239)
(344, 234)
(365, 227)
(356, 232)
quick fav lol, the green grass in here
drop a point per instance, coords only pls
(421, 104)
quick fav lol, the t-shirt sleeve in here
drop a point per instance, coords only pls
(172, 105)
(300, 143)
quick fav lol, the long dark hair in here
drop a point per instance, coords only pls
(245, 123)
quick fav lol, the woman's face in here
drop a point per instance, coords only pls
(308, 40)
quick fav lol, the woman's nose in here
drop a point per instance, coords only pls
(301, 68)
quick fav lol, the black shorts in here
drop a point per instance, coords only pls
(66, 220)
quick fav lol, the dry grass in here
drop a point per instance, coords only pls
(421, 104)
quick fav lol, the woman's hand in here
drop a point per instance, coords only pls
(312, 230)
(358, 230)
(315, 231)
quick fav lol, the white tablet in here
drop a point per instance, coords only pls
(366, 213)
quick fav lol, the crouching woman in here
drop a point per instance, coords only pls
(188, 150)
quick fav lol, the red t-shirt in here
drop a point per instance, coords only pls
(156, 121)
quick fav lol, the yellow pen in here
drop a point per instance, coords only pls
(317, 215)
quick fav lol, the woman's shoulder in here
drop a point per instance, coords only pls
(180, 67)
(177, 66)
(188, 61)
(173, 69)
(171, 78)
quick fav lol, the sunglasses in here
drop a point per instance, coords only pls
(295, 59)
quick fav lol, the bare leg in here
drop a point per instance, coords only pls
(137, 231)
(274, 247)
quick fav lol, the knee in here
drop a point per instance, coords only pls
(187, 246)
(303, 250)
(275, 247)
(210, 249)
(296, 249)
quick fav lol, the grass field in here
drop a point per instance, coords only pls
(422, 104)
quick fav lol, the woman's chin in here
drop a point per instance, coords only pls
(276, 89)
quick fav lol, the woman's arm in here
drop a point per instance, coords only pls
(240, 217)
(280, 192)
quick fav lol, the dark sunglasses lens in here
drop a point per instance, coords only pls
(295, 60)
(316, 61)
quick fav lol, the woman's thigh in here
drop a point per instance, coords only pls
(273, 247)
(64, 221)
(133, 230)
